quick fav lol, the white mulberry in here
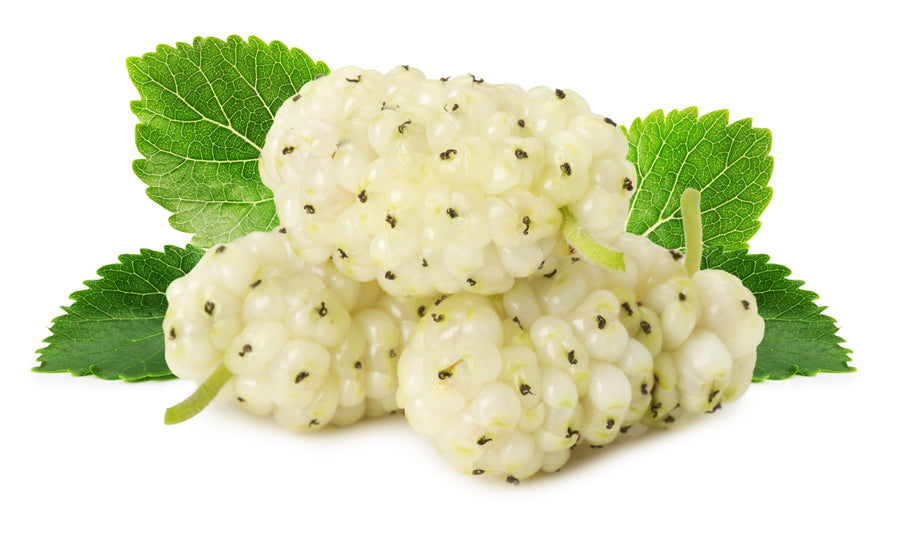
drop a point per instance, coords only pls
(303, 343)
(509, 384)
(435, 186)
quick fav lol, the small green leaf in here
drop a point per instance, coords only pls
(728, 163)
(113, 329)
(204, 114)
(799, 339)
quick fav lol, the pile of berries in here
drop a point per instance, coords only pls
(421, 267)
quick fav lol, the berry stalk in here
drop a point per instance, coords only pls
(587, 246)
(693, 230)
(201, 397)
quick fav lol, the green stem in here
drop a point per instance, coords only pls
(587, 246)
(693, 230)
(204, 394)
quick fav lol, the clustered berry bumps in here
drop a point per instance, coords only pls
(509, 384)
(304, 343)
(433, 186)
(420, 268)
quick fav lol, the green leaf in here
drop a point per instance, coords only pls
(204, 114)
(799, 339)
(113, 329)
(728, 163)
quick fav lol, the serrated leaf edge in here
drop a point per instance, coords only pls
(93, 369)
(693, 113)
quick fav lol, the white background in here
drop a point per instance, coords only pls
(82, 453)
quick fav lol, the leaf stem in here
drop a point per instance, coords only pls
(693, 230)
(201, 397)
(582, 241)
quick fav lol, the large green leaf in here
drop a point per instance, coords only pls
(799, 338)
(113, 329)
(204, 113)
(728, 163)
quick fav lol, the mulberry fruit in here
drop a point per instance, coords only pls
(302, 343)
(436, 186)
(509, 384)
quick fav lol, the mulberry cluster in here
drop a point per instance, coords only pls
(508, 385)
(440, 185)
(421, 267)
(304, 343)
